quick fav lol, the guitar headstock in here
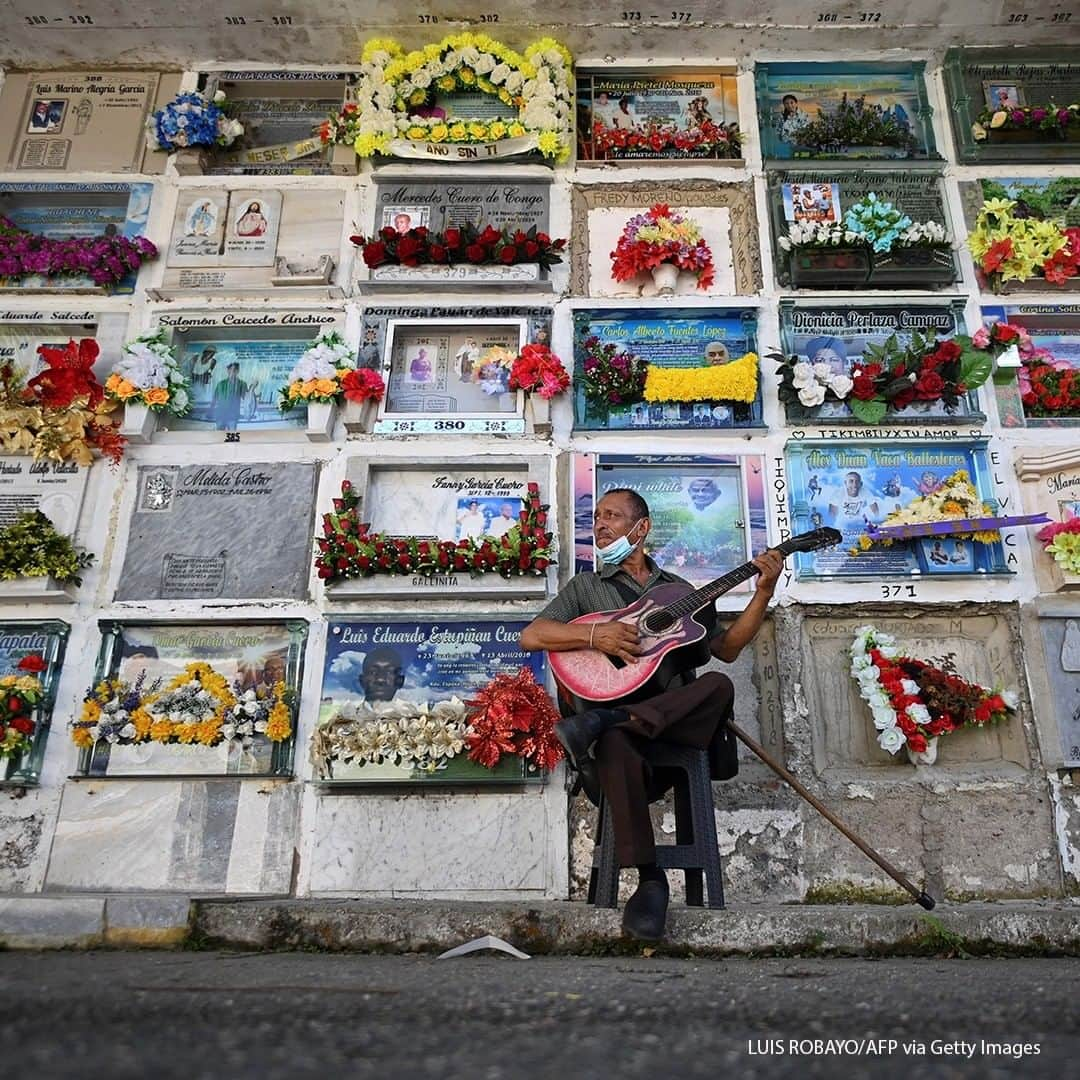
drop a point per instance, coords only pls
(814, 540)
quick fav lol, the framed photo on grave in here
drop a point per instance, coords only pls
(1044, 391)
(707, 513)
(704, 343)
(846, 485)
(838, 335)
(453, 387)
(282, 112)
(724, 214)
(236, 662)
(1050, 485)
(850, 111)
(253, 241)
(82, 121)
(1036, 203)
(1013, 104)
(394, 663)
(237, 362)
(197, 530)
(46, 641)
(658, 115)
(797, 198)
(445, 500)
(511, 203)
(62, 211)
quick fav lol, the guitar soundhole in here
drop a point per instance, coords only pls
(656, 622)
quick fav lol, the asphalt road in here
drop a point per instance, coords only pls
(489, 1017)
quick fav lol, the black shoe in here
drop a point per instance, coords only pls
(587, 779)
(646, 911)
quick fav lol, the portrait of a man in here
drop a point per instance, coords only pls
(381, 676)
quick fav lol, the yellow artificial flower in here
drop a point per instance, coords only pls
(91, 711)
(208, 732)
(433, 51)
(415, 61)
(377, 45)
(478, 130)
(736, 381)
(143, 722)
(517, 129)
(438, 133)
(505, 96)
(998, 119)
(82, 738)
(125, 390)
(394, 71)
(161, 731)
(418, 97)
(113, 381)
(186, 733)
(446, 83)
(278, 725)
(156, 395)
(466, 75)
(548, 143)
(7, 680)
(416, 132)
(497, 130)
(325, 387)
(458, 131)
(368, 144)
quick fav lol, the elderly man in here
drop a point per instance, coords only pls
(605, 744)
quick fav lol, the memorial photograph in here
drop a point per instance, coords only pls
(174, 699)
(852, 487)
(707, 513)
(383, 679)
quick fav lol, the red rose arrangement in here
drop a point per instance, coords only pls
(536, 369)
(466, 245)
(662, 235)
(705, 139)
(348, 549)
(19, 696)
(363, 384)
(513, 715)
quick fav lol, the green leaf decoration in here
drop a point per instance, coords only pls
(869, 412)
(976, 367)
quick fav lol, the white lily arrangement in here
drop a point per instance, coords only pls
(148, 373)
(421, 736)
(823, 234)
(394, 92)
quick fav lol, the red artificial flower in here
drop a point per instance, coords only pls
(947, 351)
(929, 386)
(15, 704)
(917, 742)
(374, 253)
(23, 724)
(70, 375)
(33, 663)
(997, 254)
(452, 238)
(508, 255)
(1005, 333)
(476, 253)
(863, 387)
(363, 384)
(410, 250)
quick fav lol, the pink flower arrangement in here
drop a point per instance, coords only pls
(363, 384)
(538, 370)
(662, 236)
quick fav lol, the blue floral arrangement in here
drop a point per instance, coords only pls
(877, 222)
(192, 120)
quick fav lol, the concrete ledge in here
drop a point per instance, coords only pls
(397, 926)
(45, 922)
(147, 922)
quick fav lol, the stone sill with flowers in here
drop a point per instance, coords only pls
(1016, 249)
(1046, 390)
(354, 562)
(854, 129)
(414, 105)
(875, 246)
(504, 733)
(1046, 122)
(459, 257)
(892, 381)
(191, 127)
(208, 726)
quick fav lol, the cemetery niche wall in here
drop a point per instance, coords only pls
(82, 121)
(1014, 104)
(96, 227)
(1050, 485)
(31, 654)
(382, 677)
(707, 512)
(253, 242)
(453, 233)
(846, 338)
(851, 486)
(237, 363)
(861, 228)
(649, 369)
(652, 115)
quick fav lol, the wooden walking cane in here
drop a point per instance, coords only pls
(922, 898)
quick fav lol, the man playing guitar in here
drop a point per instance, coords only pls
(604, 744)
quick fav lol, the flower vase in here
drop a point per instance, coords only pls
(923, 757)
(359, 416)
(538, 410)
(192, 161)
(139, 423)
(665, 277)
(320, 421)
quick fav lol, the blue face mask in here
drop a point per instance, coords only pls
(618, 550)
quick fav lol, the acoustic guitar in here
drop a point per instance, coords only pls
(670, 636)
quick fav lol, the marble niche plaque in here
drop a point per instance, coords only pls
(1050, 484)
(55, 488)
(220, 532)
(81, 121)
(1061, 643)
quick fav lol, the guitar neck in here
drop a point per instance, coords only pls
(696, 600)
